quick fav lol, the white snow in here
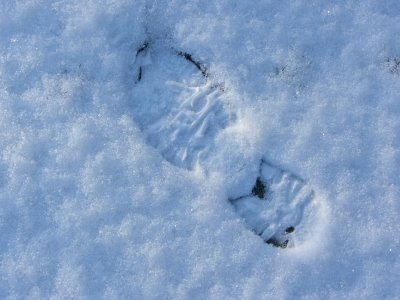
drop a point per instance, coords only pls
(91, 209)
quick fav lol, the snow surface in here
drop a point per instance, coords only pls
(90, 209)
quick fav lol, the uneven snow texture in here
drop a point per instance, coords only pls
(90, 210)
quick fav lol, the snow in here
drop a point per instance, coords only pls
(90, 208)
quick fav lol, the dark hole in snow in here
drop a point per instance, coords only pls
(142, 48)
(197, 64)
(139, 74)
(277, 243)
(138, 51)
(289, 229)
(259, 189)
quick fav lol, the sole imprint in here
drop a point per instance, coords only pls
(274, 207)
(178, 108)
(180, 111)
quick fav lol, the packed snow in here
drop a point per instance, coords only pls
(119, 167)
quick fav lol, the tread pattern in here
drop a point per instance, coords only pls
(275, 205)
(184, 110)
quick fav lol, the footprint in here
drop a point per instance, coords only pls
(274, 207)
(178, 108)
(180, 111)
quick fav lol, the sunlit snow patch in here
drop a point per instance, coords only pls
(274, 206)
